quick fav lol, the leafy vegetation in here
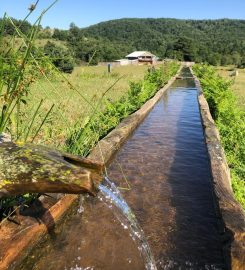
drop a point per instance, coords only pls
(230, 120)
(19, 69)
(9, 26)
(8, 206)
(75, 96)
(59, 56)
(212, 41)
(217, 42)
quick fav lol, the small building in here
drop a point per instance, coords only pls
(122, 62)
(142, 57)
(135, 58)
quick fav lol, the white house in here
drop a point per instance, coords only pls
(122, 62)
(142, 57)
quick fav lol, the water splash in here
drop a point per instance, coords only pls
(80, 268)
(112, 197)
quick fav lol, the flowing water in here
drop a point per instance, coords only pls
(113, 198)
(103, 233)
(169, 220)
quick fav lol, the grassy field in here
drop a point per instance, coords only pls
(62, 100)
(238, 85)
(76, 95)
(40, 43)
(46, 106)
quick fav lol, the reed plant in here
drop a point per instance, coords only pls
(20, 67)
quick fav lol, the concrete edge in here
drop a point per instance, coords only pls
(107, 147)
(22, 244)
(229, 210)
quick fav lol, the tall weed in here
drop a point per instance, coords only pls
(20, 67)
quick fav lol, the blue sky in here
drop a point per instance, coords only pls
(86, 12)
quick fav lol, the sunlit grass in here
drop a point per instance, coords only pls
(91, 83)
(239, 83)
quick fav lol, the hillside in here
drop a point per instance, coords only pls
(209, 40)
(218, 42)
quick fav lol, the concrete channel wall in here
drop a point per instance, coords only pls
(229, 211)
(22, 244)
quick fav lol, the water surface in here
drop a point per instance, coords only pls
(166, 164)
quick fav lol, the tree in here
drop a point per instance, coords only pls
(226, 60)
(214, 59)
(212, 41)
(45, 33)
(242, 64)
(60, 57)
(185, 49)
(60, 34)
(236, 58)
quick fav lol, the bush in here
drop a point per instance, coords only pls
(230, 120)
(60, 57)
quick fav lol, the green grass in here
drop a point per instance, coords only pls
(239, 83)
(108, 115)
(230, 119)
(45, 105)
(74, 102)
(39, 42)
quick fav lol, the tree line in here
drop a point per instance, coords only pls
(217, 42)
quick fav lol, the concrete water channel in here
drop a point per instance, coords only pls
(166, 164)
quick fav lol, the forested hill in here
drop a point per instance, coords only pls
(214, 41)
(143, 29)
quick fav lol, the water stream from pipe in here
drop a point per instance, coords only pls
(112, 197)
